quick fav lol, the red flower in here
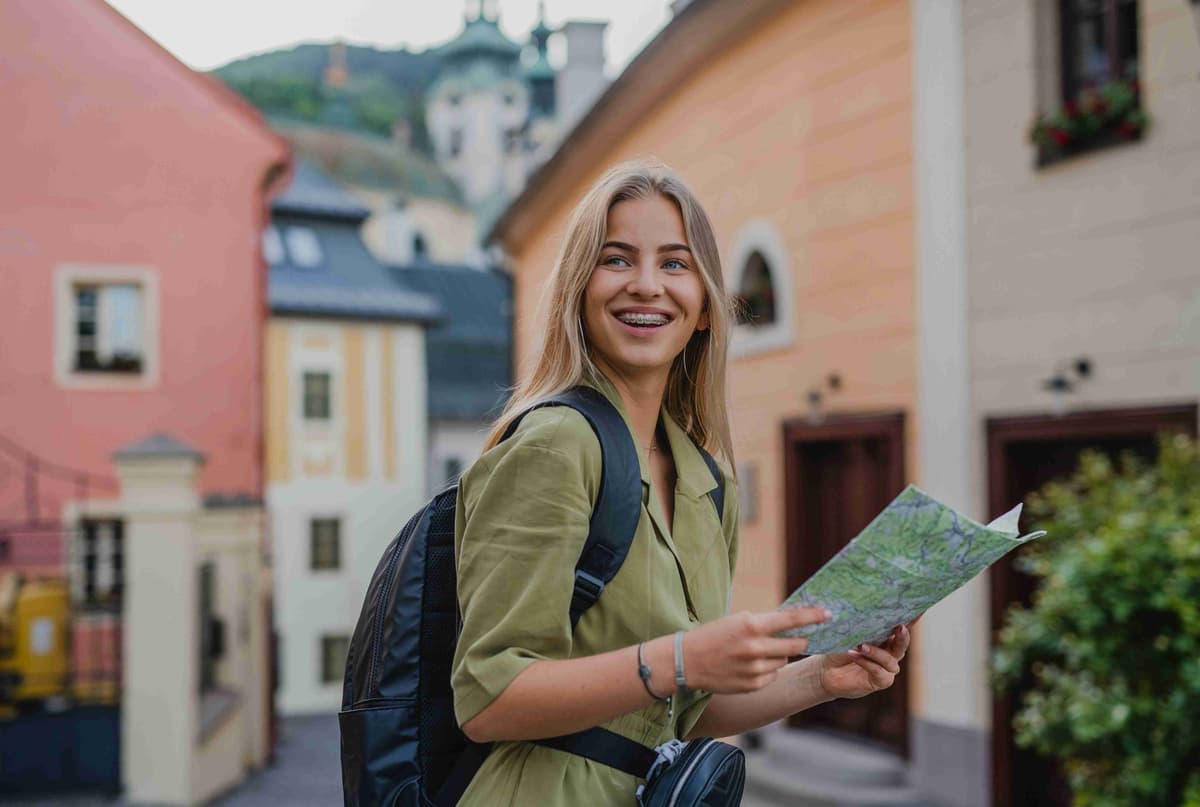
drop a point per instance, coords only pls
(1059, 136)
(1101, 106)
(1071, 109)
(1127, 129)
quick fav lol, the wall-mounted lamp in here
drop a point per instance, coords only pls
(1066, 377)
(815, 396)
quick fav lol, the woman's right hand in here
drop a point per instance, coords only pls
(741, 652)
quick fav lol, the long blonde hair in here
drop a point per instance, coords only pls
(695, 393)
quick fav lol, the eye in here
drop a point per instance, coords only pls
(675, 263)
(614, 260)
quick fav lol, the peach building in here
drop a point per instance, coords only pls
(793, 124)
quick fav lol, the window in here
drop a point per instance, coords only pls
(272, 246)
(456, 142)
(210, 630)
(512, 140)
(756, 293)
(108, 328)
(304, 247)
(419, 248)
(333, 658)
(100, 573)
(325, 541)
(105, 326)
(316, 396)
(761, 276)
(1099, 43)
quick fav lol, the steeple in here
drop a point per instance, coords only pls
(538, 72)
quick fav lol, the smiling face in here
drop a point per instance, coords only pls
(645, 298)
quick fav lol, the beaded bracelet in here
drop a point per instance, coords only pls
(644, 674)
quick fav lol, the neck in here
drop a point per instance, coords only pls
(642, 395)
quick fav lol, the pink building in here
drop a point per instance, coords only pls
(133, 199)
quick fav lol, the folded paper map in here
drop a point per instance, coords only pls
(915, 553)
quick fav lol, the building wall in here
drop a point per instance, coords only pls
(802, 128)
(129, 162)
(1093, 256)
(366, 467)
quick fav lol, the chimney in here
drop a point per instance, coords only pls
(582, 78)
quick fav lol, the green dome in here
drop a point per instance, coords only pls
(481, 37)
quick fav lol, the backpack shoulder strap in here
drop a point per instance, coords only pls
(618, 505)
(718, 494)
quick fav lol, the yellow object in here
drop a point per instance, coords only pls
(33, 639)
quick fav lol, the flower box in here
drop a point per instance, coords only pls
(1100, 117)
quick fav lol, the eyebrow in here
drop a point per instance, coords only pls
(635, 250)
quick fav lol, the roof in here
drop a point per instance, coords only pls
(480, 37)
(312, 192)
(346, 281)
(468, 353)
(369, 161)
(680, 49)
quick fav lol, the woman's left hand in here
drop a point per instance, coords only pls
(866, 668)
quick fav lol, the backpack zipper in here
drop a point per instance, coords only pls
(674, 800)
(383, 599)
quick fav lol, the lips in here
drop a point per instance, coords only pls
(643, 318)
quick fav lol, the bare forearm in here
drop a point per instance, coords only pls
(797, 688)
(555, 697)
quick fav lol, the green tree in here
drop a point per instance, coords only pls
(1111, 641)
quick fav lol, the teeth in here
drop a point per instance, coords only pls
(643, 319)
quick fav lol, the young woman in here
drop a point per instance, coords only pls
(637, 309)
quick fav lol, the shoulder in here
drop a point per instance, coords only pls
(554, 438)
(556, 428)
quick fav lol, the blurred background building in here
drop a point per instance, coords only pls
(131, 434)
(246, 337)
(346, 426)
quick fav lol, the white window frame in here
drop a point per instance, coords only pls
(67, 277)
(761, 236)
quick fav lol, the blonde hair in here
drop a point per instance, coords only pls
(695, 393)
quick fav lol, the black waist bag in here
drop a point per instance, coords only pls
(678, 773)
(401, 744)
(705, 773)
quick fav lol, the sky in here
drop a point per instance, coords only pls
(209, 33)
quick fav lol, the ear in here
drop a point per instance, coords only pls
(702, 323)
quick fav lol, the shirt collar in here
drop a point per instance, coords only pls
(694, 478)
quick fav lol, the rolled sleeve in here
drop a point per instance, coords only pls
(522, 520)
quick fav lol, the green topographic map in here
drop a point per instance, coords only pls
(913, 554)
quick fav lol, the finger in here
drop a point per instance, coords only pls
(901, 643)
(785, 647)
(789, 617)
(880, 678)
(880, 657)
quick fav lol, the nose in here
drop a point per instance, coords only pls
(644, 280)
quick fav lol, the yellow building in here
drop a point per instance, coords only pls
(345, 429)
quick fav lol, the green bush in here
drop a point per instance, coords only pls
(1111, 641)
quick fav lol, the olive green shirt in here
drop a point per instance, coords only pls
(522, 519)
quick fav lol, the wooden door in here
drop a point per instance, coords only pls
(1024, 454)
(839, 474)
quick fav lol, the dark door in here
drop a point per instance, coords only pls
(1023, 455)
(839, 474)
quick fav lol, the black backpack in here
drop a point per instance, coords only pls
(401, 744)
